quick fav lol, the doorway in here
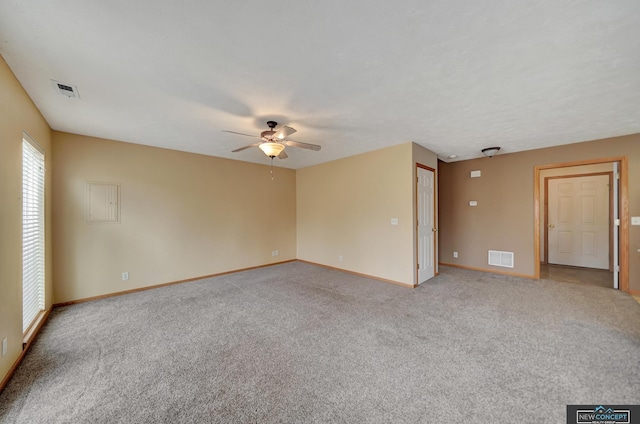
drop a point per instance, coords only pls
(617, 238)
(576, 275)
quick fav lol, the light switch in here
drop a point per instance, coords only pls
(475, 174)
(394, 221)
(473, 203)
(635, 220)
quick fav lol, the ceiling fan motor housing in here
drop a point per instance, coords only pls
(267, 135)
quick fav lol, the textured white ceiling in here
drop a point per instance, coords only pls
(353, 76)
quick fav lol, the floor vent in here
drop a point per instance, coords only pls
(66, 90)
(498, 258)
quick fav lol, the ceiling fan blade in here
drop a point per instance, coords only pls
(246, 147)
(303, 145)
(283, 155)
(284, 132)
(233, 132)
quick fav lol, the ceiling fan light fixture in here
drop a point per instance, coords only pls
(273, 142)
(271, 149)
(490, 151)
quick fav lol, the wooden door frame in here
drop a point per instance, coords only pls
(623, 201)
(545, 258)
(435, 220)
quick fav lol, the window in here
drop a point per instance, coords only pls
(32, 231)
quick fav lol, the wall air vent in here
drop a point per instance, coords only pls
(66, 90)
(504, 259)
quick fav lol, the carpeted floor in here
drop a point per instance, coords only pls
(297, 343)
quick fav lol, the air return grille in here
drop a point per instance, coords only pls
(504, 259)
(66, 90)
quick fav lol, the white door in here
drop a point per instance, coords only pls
(426, 226)
(578, 221)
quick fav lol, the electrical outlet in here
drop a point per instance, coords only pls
(394, 221)
(125, 276)
(4, 346)
(340, 258)
(455, 254)
(274, 253)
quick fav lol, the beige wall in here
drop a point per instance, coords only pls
(345, 209)
(503, 219)
(17, 114)
(182, 216)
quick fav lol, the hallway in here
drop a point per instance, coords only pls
(585, 276)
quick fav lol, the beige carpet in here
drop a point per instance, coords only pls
(297, 343)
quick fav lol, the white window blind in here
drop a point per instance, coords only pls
(32, 232)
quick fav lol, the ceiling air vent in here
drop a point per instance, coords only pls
(66, 90)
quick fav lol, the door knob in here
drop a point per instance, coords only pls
(552, 226)
(434, 229)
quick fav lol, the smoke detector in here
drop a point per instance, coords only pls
(65, 89)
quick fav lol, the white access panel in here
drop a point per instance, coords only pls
(102, 203)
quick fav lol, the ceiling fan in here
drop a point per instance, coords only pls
(272, 142)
